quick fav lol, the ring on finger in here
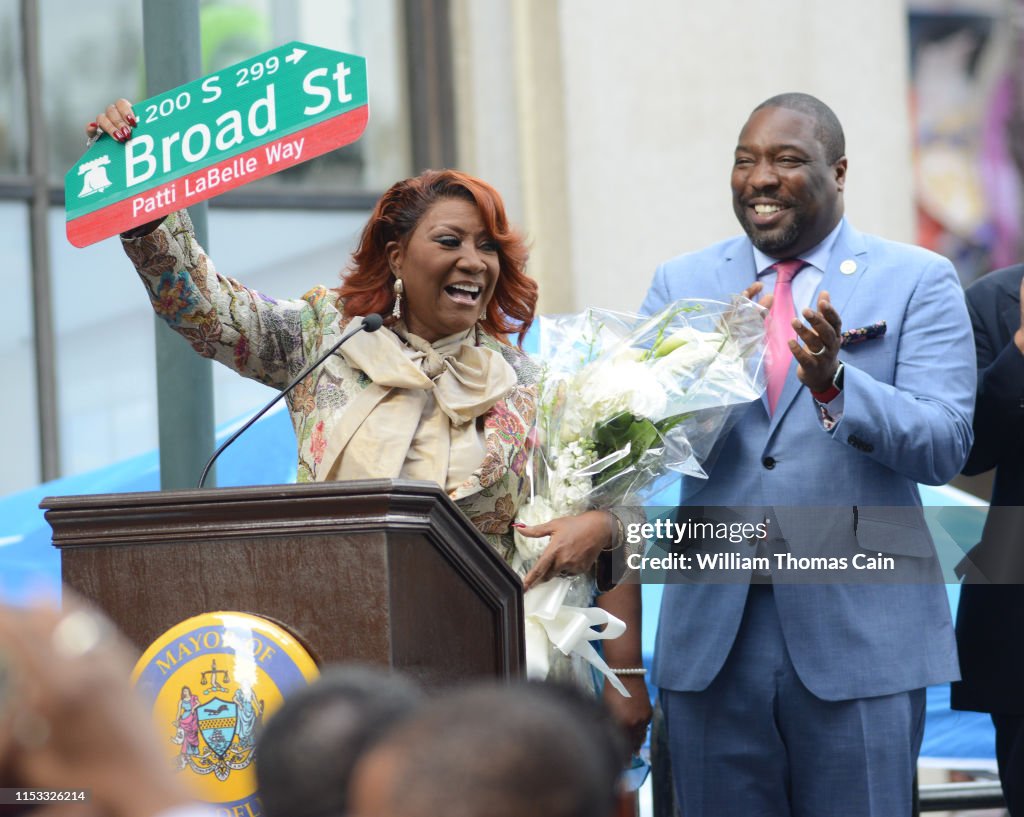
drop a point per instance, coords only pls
(820, 352)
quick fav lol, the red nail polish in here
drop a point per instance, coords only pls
(132, 120)
(518, 525)
(126, 133)
(93, 125)
(117, 136)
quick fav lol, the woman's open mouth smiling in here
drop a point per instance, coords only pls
(464, 293)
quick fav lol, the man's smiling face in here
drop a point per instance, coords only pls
(786, 193)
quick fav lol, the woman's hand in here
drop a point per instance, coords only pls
(633, 714)
(575, 544)
(116, 121)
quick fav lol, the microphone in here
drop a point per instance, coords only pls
(371, 323)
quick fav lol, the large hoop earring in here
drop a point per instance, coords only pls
(398, 288)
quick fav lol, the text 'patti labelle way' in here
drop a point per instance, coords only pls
(229, 171)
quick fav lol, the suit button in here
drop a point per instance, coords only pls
(860, 444)
(768, 462)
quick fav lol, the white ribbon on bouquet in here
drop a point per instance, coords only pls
(570, 629)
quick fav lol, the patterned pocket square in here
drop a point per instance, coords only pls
(863, 333)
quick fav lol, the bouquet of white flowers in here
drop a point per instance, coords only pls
(626, 401)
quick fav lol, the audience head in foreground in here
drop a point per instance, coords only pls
(70, 719)
(306, 754)
(488, 751)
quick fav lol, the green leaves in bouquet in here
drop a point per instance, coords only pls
(627, 431)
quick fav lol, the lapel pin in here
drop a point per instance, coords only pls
(848, 267)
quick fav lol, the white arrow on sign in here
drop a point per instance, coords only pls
(296, 55)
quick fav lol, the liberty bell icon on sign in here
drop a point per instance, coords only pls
(96, 180)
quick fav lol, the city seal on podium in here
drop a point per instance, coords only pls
(210, 682)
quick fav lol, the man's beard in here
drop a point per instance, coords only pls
(774, 241)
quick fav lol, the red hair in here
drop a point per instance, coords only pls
(367, 286)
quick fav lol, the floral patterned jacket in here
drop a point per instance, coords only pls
(272, 341)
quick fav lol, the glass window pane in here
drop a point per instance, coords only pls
(13, 141)
(19, 467)
(90, 55)
(105, 379)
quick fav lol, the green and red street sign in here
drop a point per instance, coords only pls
(258, 117)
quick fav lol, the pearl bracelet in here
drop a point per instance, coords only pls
(629, 670)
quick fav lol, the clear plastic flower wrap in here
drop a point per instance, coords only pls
(627, 401)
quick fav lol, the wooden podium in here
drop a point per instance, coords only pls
(386, 572)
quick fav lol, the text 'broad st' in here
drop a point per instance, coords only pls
(255, 118)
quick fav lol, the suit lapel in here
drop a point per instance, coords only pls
(849, 247)
(736, 271)
(848, 253)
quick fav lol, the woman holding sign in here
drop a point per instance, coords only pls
(438, 394)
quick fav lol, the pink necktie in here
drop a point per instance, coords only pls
(780, 328)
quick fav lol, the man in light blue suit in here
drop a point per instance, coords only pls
(785, 697)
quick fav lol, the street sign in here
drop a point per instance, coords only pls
(257, 117)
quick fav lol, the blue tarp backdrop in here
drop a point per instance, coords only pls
(265, 455)
(29, 565)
